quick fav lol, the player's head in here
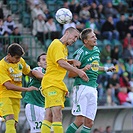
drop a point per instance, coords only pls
(14, 53)
(88, 37)
(41, 60)
(71, 35)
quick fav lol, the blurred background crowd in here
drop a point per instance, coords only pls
(112, 21)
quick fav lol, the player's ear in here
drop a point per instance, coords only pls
(67, 32)
(38, 63)
(85, 41)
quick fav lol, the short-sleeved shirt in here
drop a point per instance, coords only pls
(35, 97)
(55, 74)
(86, 56)
(13, 73)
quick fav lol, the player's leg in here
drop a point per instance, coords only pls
(88, 123)
(76, 110)
(35, 116)
(47, 122)
(9, 114)
(54, 102)
(73, 127)
(56, 107)
(91, 108)
(57, 119)
(10, 123)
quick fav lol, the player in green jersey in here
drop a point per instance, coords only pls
(34, 100)
(85, 93)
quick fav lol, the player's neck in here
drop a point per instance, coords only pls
(62, 41)
(89, 47)
(6, 59)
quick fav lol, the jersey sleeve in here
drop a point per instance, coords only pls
(4, 77)
(58, 52)
(78, 55)
(38, 69)
(26, 68)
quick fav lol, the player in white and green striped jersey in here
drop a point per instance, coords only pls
(34, 100)
(85, 93)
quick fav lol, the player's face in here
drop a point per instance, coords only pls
(91, 40)
(72, 37)
(42, 62)
(14, 59)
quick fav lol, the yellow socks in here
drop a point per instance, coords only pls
(57, 127)
(46, 126)
(10, 126)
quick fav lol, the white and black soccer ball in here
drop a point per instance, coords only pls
(63, 16)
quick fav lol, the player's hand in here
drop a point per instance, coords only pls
(67, 94)
(32, 88)
(76, 63)
(111, 69)
(87, 67)
(83, 75)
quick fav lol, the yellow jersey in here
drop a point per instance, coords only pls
(55, 74)
(13, 73)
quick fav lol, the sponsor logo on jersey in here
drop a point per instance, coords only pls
(95, 65)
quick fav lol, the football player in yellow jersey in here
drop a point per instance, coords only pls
(53, 87)
(12, 66)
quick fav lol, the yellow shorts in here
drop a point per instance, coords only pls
(10, 106)
(54, 97)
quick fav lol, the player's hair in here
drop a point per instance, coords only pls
(71, 29)
(38, 58)
(84, 34)
(15, 49)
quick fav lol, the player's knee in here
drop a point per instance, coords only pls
(89, 123)
(8, 117)
(57, 113)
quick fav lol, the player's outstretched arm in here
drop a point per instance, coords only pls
(69, 67)
(35, 73)
(107, 69)
(73, 74)
(112, 69)
(10, 86)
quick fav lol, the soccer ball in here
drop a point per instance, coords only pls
(63, 16)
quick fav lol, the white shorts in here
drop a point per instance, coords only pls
(85, 101)
(35, 116)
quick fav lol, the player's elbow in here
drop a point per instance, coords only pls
(69, 75)
(8, 85)
(62, 63)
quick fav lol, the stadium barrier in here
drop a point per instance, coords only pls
(120, 118)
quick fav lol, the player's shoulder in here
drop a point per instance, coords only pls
(37, 68)
(56, 43)
(22, 60)
(80, 50)
(2, 62)
(40, 69)
(96, 48)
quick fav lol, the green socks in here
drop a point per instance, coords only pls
(72, 128)
(85, 129)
